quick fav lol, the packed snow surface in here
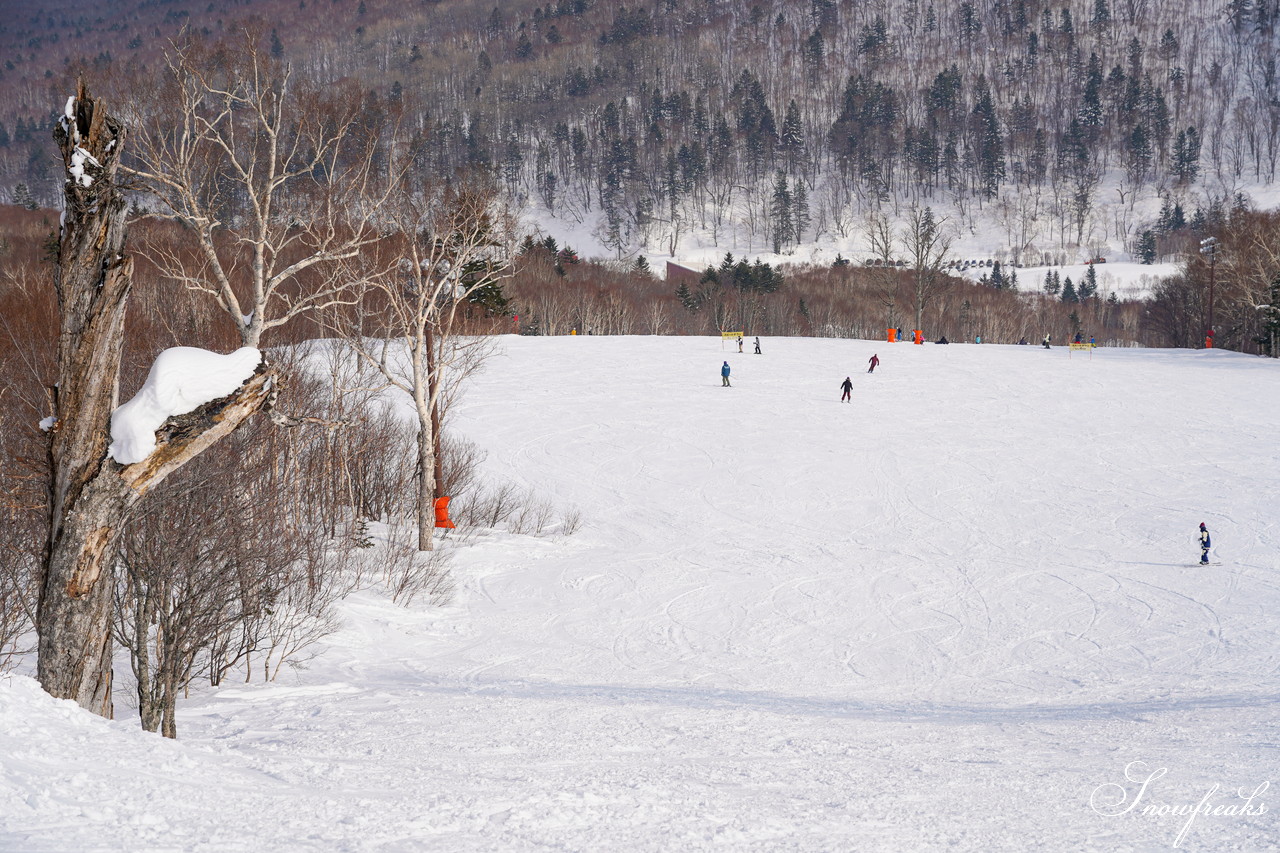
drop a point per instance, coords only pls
(181, 380)
(961, 613)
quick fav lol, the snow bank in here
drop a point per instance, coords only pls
(181, 380)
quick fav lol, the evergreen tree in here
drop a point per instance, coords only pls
(1088, 284)
(997, 279)
(813, 54)
(1101, 14)
(1091, 102)
(524, 47)
(1271, 320)
(1147, 247)
(687, 299)
(1164, 222)
(22, 197)
(970, 23)
(874, 37)
(792, 137)
(1069, 291)
(782, 214)
(799, 209)
(990, 146)
(1186, 155)
(1051, 285)
(1140, 153)
(642, 267)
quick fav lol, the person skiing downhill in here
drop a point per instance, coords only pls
(724, 375)
(1204, 544)
(873, 361)
(847, 387)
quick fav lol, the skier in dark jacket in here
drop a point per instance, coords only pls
(724, 375)
(757, 346)
(873, 361)
(1204, 544)
(847, 387)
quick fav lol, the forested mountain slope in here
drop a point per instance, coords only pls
(778, 120)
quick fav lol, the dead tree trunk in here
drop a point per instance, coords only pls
(91, 495)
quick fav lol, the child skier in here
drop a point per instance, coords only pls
(1204, 544)
(847, 387)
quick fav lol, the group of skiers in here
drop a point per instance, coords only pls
(846, 396)
(846, 387)
(724, 369)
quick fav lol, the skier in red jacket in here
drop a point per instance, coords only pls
(873, 361)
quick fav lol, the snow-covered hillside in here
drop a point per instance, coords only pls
(961, 613)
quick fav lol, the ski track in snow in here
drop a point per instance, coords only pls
(935, 619)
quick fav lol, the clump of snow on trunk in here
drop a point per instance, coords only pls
(181, 380)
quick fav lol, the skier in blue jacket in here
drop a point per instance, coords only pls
(724, 375)
(1204, 544)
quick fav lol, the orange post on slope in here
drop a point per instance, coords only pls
(919, 336)
(893, 336)
(442, 513)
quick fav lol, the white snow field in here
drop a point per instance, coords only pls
(962, 613)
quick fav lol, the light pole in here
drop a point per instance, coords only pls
(1209, 246)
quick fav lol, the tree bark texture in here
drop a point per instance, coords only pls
(91, 495)
(92, 280)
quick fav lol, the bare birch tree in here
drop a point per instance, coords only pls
(275, 179)
(880, 243)
(926, 247)
(451, 251)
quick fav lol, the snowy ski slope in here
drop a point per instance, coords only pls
(951, 615)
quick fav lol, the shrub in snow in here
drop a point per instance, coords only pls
(181, 380)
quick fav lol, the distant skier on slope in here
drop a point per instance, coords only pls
(873, 361)
(1046, 341)
(1205, 544)
(847, 387)
(724, 375)
(757, 346)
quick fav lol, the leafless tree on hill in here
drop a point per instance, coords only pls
(275, 179)
(926, 246)
(452, 246)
